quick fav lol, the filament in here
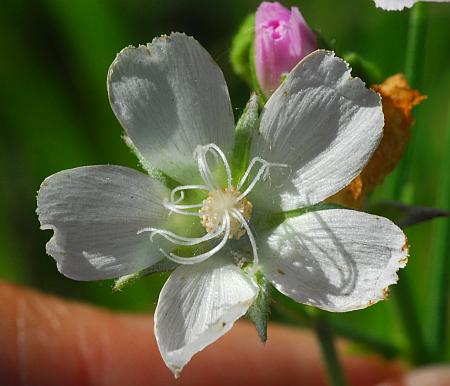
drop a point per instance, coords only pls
(249, 169)
(181, 188)
(204, 256)
(236, 214)
(205, 171)
(176, 209)
(262, 173)
(203, 168)
(227, 205)
(180, 240)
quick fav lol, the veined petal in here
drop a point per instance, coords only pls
(324, 125)
(197, 305)
(170, 96)
(337, 260)
(398, 5)
(95, 213)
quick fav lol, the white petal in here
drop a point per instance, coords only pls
(95, 213)
(324, 125)
(338, 260)
(197, 305)
(398, 5)
(170, 96)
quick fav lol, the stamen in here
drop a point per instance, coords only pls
(262, 172)
(205, 171)
(253, 183)
(174, 208)
(204, 256)
(249, 169)
(224, 213)
(181, 188)
(236, 214)
(225, 162)
(184, 206)
(206, 174)
(180, 240)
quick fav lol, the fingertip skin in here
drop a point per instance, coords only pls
(434, 375)
(47, 341)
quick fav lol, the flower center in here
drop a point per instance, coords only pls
(218, 203)
(224, 213)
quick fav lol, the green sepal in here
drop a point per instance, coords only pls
(164, 265)
(154, 173)
(241, 47)
(121, 282)
(405, 215)
(260, 309)
(255, 83)
(364, 69)
(242, 56)
(246, 126)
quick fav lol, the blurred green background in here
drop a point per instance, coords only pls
(55, 115)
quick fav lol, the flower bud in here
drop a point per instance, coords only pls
(282, 39)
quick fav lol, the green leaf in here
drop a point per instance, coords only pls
(260, 309)
(405, 215)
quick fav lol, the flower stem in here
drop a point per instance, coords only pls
(415, 53)
(414, 60)
(410, 320)
(325, 338)
(369, 341)
(406, 304)
(438, 297)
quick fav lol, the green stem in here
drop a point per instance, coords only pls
(371, 342)
(414, 61)
(415, 53)
(410, 320)
(406, 303)
(325, 338)
(438, 298)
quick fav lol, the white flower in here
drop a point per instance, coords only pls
(398, 5)
(316, 133)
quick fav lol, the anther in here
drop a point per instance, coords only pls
(223, 201)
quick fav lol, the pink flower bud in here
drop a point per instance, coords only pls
(282, 39)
